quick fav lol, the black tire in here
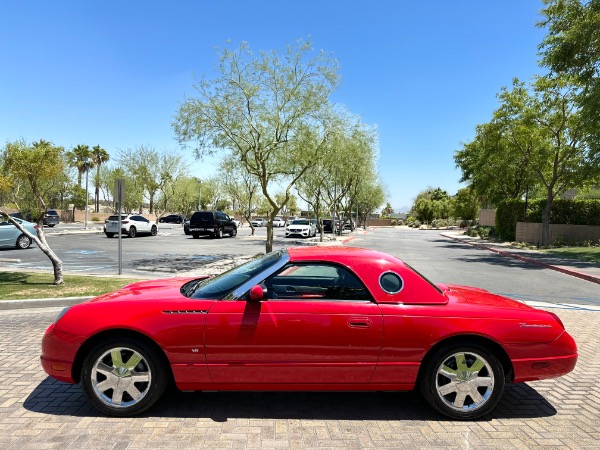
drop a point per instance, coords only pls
(218, 233)
(23, 242)
(187, 232)
(196, 236)
(153, 230)
(51, 225)
(233, 232)
(100, 373)
(109, 235)
(132, 232)
(463, 381)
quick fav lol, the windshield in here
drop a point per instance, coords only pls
(300, 222)
(218, 287)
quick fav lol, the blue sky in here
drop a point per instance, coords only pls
(113, 72)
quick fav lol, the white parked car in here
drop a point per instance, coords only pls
(301, 227)
(259, 222)
(278, 222)
(131, 225)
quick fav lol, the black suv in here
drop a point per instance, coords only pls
(212, 223)
(51, 218)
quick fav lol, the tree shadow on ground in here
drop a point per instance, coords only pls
(518, 402)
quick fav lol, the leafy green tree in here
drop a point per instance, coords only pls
(269, 112)
(572, 48)
(243, 189)
(466, 204)
(40, 166)
(495, 168)
(545, 125)
(387, 210)
(432, 204)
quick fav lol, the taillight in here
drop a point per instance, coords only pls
(124, 221)
(557, 319)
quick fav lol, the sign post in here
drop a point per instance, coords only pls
(120, 198)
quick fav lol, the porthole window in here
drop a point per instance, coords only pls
(391, 282)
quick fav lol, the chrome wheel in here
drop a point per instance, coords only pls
(153, 231)
(465, 381)
(23, 242)
(462, 381)
(132, 232)
(121, 377)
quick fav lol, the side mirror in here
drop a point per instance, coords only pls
(257, 293)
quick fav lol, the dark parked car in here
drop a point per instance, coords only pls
(212, 223)
(327, 225)
(51, 218)
(171, 218)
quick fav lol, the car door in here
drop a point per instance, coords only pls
(318, 326)
(7, 232)
(141, 223)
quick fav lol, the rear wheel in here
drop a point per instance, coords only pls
(463, 381)
(153, 230)
(109, 235)
(23, 242)
(218, 233)
(123, 377)
(132, 232)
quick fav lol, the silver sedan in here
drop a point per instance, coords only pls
(11, 236)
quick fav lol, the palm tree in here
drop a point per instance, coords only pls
(99, 157)
(80, 158)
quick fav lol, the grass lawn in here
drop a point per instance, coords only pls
(20, 285)
(589, 254)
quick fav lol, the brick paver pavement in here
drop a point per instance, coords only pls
(39, 413)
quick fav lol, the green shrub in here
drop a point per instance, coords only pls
(508, 213)
(95, 219)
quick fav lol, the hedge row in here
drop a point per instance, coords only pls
(570, 212)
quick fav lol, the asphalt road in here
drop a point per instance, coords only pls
(438, 258)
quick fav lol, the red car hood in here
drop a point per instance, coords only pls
(481, 297)
(148, 290)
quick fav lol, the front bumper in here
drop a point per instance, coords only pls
(58, 354)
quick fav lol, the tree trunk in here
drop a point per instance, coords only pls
(269, 244)
(56, 262)
(546, 220)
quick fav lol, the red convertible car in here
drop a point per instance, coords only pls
(317, 318)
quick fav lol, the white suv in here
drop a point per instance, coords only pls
(131, 225)
(301, 227)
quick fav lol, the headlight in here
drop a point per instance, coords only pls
(62, 313)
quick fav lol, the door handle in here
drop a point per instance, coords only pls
(359, 322)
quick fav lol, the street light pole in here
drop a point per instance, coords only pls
(87, 171)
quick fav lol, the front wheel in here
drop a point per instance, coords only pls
(23, 242)
(132, 232)
(153, 230)
(233, 232)
(123, 377)
(463, 381)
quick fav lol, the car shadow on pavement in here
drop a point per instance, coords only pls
(53, 397)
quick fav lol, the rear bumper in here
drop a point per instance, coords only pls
(532, 369)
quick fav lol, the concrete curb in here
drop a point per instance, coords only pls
(571, 272)
(41, 302)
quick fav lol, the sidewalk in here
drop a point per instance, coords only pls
(581, 269)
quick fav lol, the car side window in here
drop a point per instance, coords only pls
(316, 281)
